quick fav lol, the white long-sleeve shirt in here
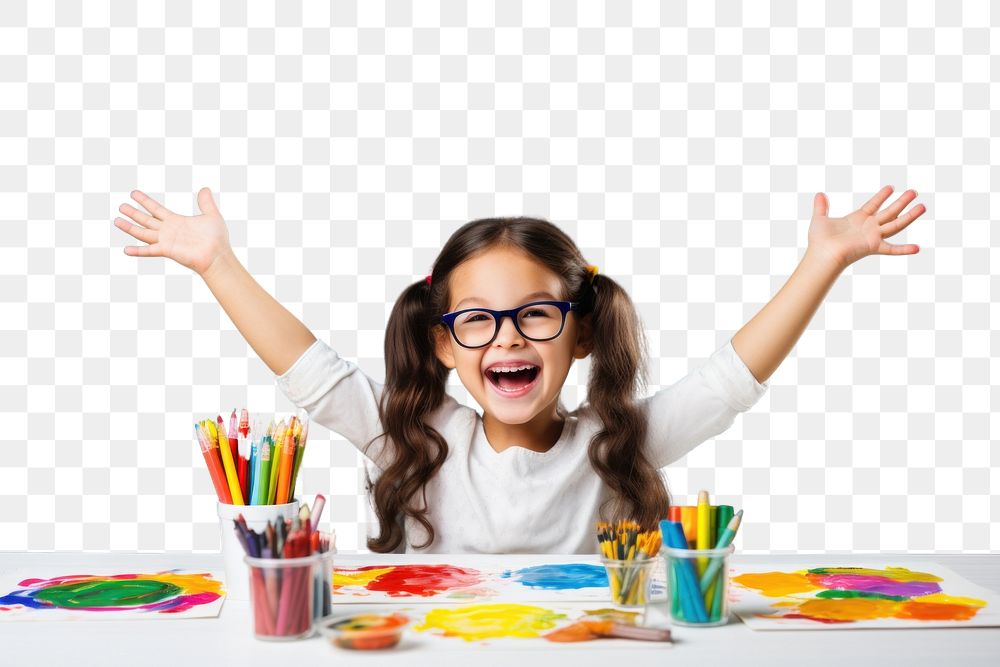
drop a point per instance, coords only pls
(519, 500)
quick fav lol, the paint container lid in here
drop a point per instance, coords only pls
(363, 632)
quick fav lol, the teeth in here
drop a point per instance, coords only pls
(510, 370)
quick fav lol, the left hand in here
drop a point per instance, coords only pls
(862, 233)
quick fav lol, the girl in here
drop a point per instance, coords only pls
(510, 304)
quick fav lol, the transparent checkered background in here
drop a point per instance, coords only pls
(680, 144)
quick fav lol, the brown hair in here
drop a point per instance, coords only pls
(415, 380)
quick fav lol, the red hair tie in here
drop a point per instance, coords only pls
(428, 279)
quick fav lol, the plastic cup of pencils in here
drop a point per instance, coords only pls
(281, 595)
(257, 518)
(698, 585)
(323, 585)
(631, 581)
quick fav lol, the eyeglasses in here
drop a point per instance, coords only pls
(537, 321)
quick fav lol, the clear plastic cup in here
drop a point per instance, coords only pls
(323, 586)
(281, 595)
(698, 585)
(631, 581)
(257, 518)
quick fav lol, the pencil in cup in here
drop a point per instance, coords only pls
(264, 471)
(687, 591)
(629, 557)
(281, 595)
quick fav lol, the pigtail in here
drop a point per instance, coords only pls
(414, 386)
(617, 375)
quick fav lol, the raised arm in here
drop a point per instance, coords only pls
(834, 244)
(201, 243)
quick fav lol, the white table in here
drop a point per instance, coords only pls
(227, 640)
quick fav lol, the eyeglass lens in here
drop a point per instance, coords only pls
(539, 322)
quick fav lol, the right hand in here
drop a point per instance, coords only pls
(192, 241)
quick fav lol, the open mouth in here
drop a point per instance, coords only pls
(512, 381)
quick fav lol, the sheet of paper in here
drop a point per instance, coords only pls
(511, 625)
(42, 594)
(895, 593)
(372, 578)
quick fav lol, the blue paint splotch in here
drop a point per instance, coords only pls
(560, 576)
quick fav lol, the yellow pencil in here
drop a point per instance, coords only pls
(232, 478)
(272, 494)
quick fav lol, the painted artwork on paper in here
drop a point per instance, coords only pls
(479, 578)
(516, 625)
(168, 594)
(894, 596)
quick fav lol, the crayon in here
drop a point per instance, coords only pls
(712, 539)
(704, 520)
(723, 519)
(689, 523)
(728, 534)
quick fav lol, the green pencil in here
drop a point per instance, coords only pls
(260, 497)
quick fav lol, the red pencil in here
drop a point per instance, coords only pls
(234, 447)
(214, 463)
(244, 454)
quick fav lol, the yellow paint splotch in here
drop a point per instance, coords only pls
(491, 621)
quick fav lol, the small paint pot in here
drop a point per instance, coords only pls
(364, 632)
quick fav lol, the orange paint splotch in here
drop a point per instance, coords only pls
(848, 609)
(777, 584)
(935, 611)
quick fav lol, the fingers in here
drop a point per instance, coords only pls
(821, 205)
(893, 249)
(872, 206)
(151, 205)
(143, 250)
(897, 206)
(895, 226)
(143, 218)
(206, 203)
(132, 229)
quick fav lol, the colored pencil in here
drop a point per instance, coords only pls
(218, 434)
(301, 438)
(279, 441)
(214, 464)
(285, 468)
(255, 467)
(728, 535)
(626, 541)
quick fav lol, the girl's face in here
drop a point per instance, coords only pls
(499, 279)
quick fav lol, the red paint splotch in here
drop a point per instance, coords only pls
(829, 621)
(422, 580)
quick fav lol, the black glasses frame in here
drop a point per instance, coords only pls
(498, 315)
